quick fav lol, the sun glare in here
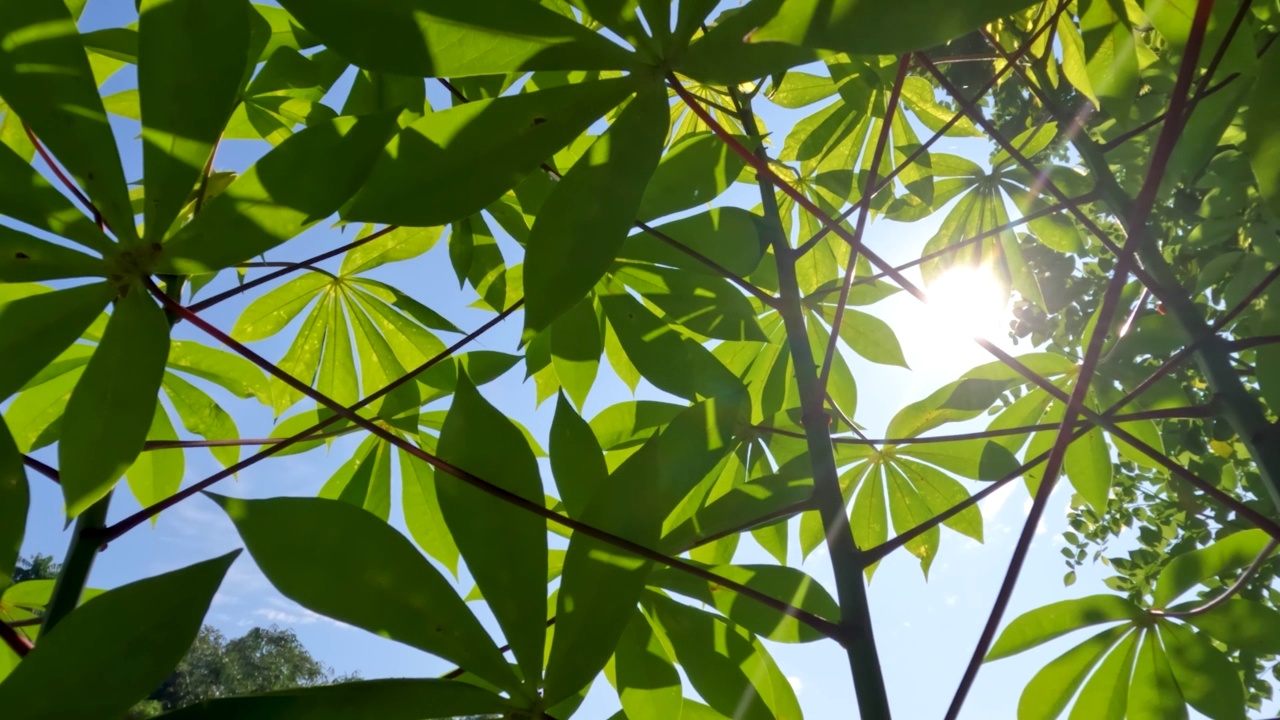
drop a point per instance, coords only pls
(968, 302)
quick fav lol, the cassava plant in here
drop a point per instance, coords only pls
(603, 178)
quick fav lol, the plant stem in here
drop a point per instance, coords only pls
(74, 575)
(846, 559)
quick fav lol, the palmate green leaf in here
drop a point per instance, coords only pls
(34, 416)
(36, 325)
(631, 423)
(1262, 130)
(644, 674)
(695, 170)
(377, 296)
(303, 181)
(187, 91)
(360, 571)
(1154, 694)
(336, 376)
(1110, 49)
(75, 672)
(26, 195)
(940, 492)
(730, 237)
(1208, 681)
(394, 699)
(576, 459)
(1106, 694)
(727, 669)
(723, 55)
(422, 514)
(585, 219)
(1241, 623)
(976, 459)
(372, 92)
(576, 346)
(439, 38)
(122, 378)
(25, 258)
(1047, 695)
(868, 335)
(865, 28)
(505, 547)
(157, 474)
(509, 137)
(14, 501)
(601, 583)
(46, 79)
(379, 366)
(1056, 619)
(201, 415)
(786, 584)
(1186, 571)
(907, 510)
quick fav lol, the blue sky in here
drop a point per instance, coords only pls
(926, 630)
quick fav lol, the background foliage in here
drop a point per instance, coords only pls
(585, 176)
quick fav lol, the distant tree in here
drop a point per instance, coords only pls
(261, 660)
(36, 567)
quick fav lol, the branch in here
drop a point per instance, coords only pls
(1236, 587)
(62, 177)
(41, 468)
(153, 445)
(16, 641)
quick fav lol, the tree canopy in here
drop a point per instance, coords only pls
(606, 184)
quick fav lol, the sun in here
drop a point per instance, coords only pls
(968, 302)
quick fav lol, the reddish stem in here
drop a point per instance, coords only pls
(16, 641)
(62, 177)
(864, 207)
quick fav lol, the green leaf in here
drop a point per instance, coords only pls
(508, 137)
(291, 188)
(908, 510)
(726, 669)
(37, 325)
(647, 681)
(728, 236)
(1048, 693)
(587, 216)
(783, 583)
(868, 335)
(1111, 55)
(1208, 681)
(505, 546)
(1055, 619)
(25, 195)
(201, 415)
(1154, 693)
(232, 372)
(601, 583)
(576, 346)
(707, 305)
(396, 245)
(798, 89)
(576, 459)
(1088, 466)
(724, 56)
(373, 92)
(360, 571)
(14, 501)
(422, 514)
(941, 492)
(364, 480)
(76, 670)
(394, 699)
(336, 375)
(631, 423)
(123, 378)
(1242, 624)
(25, 258)
(187, 91)
(35, 415)
(1185, 571)
(157, 474)
(869, 518)
(672, 362)
(441, 38)
(1262, 129)
(46, 79)
(867, 28)
(1106, 694)
(270, 313)
(695, 170)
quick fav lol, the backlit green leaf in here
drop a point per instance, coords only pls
(122, 379)
(1055, 619)
(1048, 693)
(37, 325)
(1207, 679)
(1186, 571)
(13, 509)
